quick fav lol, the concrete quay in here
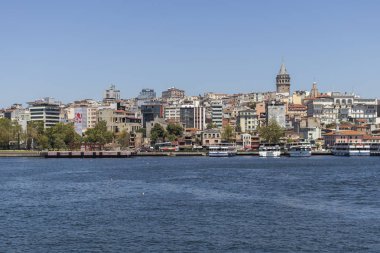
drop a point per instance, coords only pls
(87, 154)
(250, 153)
(123, 154)
(18, 153)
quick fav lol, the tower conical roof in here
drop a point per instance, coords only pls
(283, 70)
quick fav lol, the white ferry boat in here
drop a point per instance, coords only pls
(223, 150)
(269, 151)
(302, 149)
(351, 149)
(375, 149)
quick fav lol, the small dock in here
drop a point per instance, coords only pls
(87, 154)
(171, 154)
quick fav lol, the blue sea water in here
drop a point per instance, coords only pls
(192, 204)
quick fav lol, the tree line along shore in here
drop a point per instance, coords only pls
(63, 137)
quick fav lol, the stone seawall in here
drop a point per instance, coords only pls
(87, 154)
(16, 153)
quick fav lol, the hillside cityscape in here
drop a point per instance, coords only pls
(323, 118)
(189, 126)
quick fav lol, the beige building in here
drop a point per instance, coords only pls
(211, 137)
(173, 93)
(172, 114)
(297, 111)
(260, 108)
(136, 140)
(298, 97)
(214, 96)
(118, 120)
(247, 120)
(92, 116)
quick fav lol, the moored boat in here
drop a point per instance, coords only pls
(267, 150)
(302, 149)
(223, 150)
(375, 149)
(351, 149)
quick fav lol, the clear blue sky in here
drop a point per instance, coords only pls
(74, 49)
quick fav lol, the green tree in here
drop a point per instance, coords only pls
(5, 133)
(227, 133)
(252, 105)
(210, 126)
(198, 141)
(289, 140)
(63, 137)
(171, 137)
(35, 135)
(17, 133)
(141, 130)
(99, 134)
(123, 139)
(174, 129)
(272, 132)
(42, 142)
(331, 126)
(10, 131)
(157, 133)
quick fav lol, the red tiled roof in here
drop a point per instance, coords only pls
(323, 96)
(344, 132)
(297, 107)
(370, 137)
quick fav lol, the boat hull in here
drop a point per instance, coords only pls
(303, 153)
(269, 153)
(342, 149)
(221, 154)
(352, 153)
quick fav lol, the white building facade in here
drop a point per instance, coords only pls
(217, 113)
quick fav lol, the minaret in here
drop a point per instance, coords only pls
(283, 80)
(314, 91)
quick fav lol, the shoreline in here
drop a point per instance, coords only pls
(122, 154)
